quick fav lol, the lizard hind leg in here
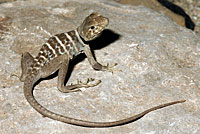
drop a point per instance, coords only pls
(26, 61)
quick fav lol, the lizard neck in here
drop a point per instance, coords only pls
(78, 35)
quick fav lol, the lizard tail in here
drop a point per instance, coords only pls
(28, 92)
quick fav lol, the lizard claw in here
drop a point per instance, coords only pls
(14, 75)
(86, 83)
(111, 69)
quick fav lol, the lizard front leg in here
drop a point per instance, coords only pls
(95, 64)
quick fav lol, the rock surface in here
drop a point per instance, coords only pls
(155, 5)
(160, 62)
(189, 7)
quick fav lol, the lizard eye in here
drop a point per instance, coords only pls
(92, 27)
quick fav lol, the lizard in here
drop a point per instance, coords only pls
(56, 54)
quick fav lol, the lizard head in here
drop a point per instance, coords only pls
(92, 26)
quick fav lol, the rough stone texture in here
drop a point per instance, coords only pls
(191, 7)
(155, 5)
(160, 62)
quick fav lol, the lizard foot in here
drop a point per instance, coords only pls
(86, 83)
(110, 68)
(79, 84)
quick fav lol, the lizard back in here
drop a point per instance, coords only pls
(68, 43)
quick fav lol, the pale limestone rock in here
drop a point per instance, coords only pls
(160, 62)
